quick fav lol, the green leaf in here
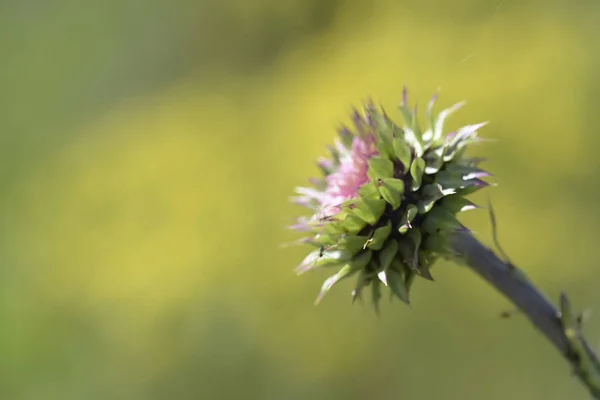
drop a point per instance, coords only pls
(407, 252)
(412, 131)
(396, 284)
(360, 125)
(369, 210)
(425, 205)
(392, 191)
(425, 273)
(325, 167)
(353, 244)
(344, 272)
(387, 255)
(360, 261)
(397, 184)
(335, 155)
(385, 150)
(456, 203)
(402, 150)
(474, 185)
(320, 258)
(450, 180)
(417, 169)
(415, 236)
(362, 281)
(414, 126)
(379, 237)
(440, 220)
(438, 244)
(472, 162)
(333, 228)
(434, 160)
(466, 172)
(409, 278)
(407, 218)
(322, 239)
(426, 257)
(407, 114)
(431, 193)
(385, 131)
(380, 168)
(465, 133)
(353, 224)
(346, 137)
(458, 143)
(369, 190)
(409, 248)
(356, 264)
(439, 123)
(376, 294)
(415, 141)
(430, 119)
(339, 216)
(319, 183)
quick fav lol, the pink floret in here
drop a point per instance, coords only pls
(343, 184)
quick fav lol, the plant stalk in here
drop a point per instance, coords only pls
(560, 327)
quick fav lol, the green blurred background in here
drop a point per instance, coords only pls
(147, 152)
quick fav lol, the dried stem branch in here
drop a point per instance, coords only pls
(559, 327)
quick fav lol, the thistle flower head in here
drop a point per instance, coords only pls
(386, 203)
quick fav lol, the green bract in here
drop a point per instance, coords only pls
(409, 185)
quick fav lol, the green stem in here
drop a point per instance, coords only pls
(561, 328)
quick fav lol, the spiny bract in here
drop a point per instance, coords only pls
(387, 202)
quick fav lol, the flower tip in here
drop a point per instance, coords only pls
(480, 183)
(298, 242)
(476, 161)
(462, 229)
(458, 105)
(382, 277)
(319, 298)
(355, 295)
(425, 273)
(433, 99)
(325, 163)
(477, 174)
(344, 132)
(301, 269)
(299, 200)
(470, 207)
(480, 125)
(302, 226)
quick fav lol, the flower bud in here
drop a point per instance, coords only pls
(387, 202)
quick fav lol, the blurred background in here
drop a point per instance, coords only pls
(147, 152)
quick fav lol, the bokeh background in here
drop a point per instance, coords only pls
(147, 152)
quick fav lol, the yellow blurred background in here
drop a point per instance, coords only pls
(147, 152)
